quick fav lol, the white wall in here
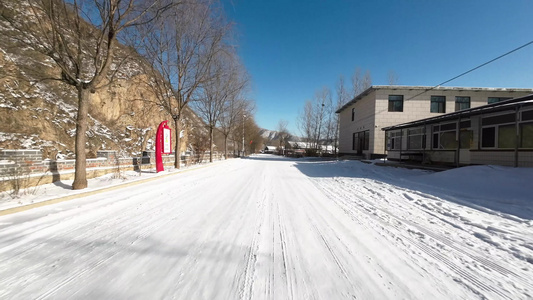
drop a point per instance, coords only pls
(364, 120)
(372, 110)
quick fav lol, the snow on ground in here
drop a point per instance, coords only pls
(63, 188)
(267, 227)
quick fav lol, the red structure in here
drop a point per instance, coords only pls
(163, 142)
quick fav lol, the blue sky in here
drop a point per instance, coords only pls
(294, 48)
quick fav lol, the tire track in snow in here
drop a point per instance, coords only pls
(215, 216)
(352, 208)
(490, 264)
(246, 290)
(291, 189)
(328, 245)
(71, 220)
(333, 242)
(90, 239)
(432, 252)
(332, 253)
(115, 216)
(463, 252)
(222, 221)
(285, 258)
(142, 231)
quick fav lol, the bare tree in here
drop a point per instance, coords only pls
(80, 37)
(199, 141)
(367, 80)
(360, 82)
(392, 77)
(342, 98)
(283, 133)
(307, 121)
(329, 119)
(181, 49)
(230, 117)
(216, 95)
(324, 107)
(246, 129)
(253, 138)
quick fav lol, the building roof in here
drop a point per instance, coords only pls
(489, 108)
(424, 89)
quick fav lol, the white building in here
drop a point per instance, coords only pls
(497, 134)
(363, 118)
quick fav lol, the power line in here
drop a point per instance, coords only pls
(473, 69)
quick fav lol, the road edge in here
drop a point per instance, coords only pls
(17, 209)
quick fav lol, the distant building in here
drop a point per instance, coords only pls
(498, 133)
(270, 149)
(323, 149)
(363, 118)
(299, 145)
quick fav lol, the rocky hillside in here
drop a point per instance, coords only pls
(271, 138)
(37, 112)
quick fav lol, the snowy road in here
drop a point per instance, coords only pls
(271, 228)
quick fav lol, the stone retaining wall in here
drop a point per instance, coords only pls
(26, 168)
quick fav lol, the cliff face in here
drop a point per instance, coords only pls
(37, 112)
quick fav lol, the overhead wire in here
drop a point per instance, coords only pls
(473, 69)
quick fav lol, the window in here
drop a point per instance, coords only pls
(526, 135)
(462, 103)
(501, 119)
(416, 139)
(488, 137)
(497, 99)
(353, 114)
(395, 140)
(466, 135)
(498, 131)
(467, 138)
(444, 136)
(527, 115)
(506, 136)
(526, 129)
(438, 104)
(361, 140)
(396, 103)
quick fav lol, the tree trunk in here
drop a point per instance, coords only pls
(177, 156)
(225, 147)
(80, 175)
(211, 144)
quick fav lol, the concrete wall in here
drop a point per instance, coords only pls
(364, 120)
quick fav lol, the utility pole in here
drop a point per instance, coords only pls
(319, 126)
(243, 117)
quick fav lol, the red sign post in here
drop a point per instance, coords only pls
(163, 142)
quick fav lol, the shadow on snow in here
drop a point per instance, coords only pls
(479, 187)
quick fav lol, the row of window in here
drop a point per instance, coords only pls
(438, 103)
(497, 132)
(501, 131)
